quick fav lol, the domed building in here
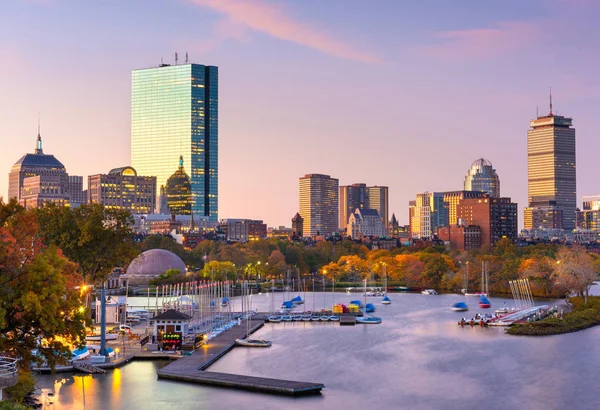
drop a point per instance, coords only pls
(179, 192)
(483, 177)
(150, 264)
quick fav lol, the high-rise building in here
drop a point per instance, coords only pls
(589, 216)
(179, 192)
(544, 214)
(452, 198)
(496, 218)
(361, 196)
(123, 189)
(483, 177)
(78, 195)
(351, 197)
(551, 165)
(53, 173)
(319, 204)
(174, 111)
(377, 198)
(428, 213)
(42, 189)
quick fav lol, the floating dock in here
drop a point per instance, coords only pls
(347, 319)
(193, 368)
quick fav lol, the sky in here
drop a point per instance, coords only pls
(403, 94)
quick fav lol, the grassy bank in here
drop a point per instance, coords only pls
(582, 316)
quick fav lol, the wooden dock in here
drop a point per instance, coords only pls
(193, 368)
(347, 319)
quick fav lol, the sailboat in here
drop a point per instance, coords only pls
(367, 320)
(334, 317)
(247, 342)
(272, 317)
(386, 300)
(484, 303)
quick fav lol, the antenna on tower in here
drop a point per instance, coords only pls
(176, 58)
(39, 120)
(551, 100)
(537, 111)
(186, 57)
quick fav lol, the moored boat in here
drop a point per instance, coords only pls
(334, 318)
(96, 337)
(429, 292)
(253, 342)
(274, 318)
(368, 320)
(459, 307)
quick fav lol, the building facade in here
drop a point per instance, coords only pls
(364, 223)
(496, 218)
(589, 217)
(464, 238)
(551, 165)
(428, 213)
(178, 190)
(43, 189)
(483, 177)
(297, 225)
(361, 196)
(53, 173)
(543, 214)
(174, 111)
(452, 199)
(319, 204)
(123, 189)
(78, 196)
(243, 230)
(378, 199)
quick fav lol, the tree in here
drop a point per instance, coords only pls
(576, 270)
(96, 238)
(38, 308)
(219, 271)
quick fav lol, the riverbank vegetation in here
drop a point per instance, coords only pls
(582, 316)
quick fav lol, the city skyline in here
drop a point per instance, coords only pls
(467, 72)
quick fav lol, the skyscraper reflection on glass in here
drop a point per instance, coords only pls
(174, 112)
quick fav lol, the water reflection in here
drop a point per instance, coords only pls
(418, 358)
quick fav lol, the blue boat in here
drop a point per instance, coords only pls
(460, 307)
(286, 318)
(368, 320)
(297, 300)
(357, 303)
(386, 300)
(225, 301)
(288, 305)
(369, 308)
(484, 302)
(275, 318)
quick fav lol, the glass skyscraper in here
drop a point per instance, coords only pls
(174, 112)
(483, 177)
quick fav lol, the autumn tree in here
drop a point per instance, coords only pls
(576, 270)
(38, 310)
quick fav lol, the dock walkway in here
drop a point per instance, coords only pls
(193, 368)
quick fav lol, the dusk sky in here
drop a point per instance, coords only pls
(399, 93)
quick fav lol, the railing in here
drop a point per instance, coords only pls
(8, 372)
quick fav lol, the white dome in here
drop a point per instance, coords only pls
(155, 262)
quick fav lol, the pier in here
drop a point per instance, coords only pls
(193, 368)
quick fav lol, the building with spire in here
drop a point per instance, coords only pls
(174, 111)
(551, 171)
(483, 177)
(179, 191)
(38, 178)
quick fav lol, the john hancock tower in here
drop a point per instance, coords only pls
(174, 112)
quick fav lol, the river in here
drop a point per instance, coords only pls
(418, 358)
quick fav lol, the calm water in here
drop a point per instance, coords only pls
(418, 358)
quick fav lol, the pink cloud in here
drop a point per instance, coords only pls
(483, 43)
(271, 19)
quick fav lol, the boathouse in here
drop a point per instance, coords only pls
(170, 327)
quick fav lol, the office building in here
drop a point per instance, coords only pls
(361, 196)
(543, 214)
(78, 196)
(123, 189)
(452, 199)
(243, 230)
(551, 166)
(377, 198)
(464, 238)
(496, 217)
(319, 204)
(428, 213)
(51, 187)
(589, 217)
(178, 190)
(174, 111)
(364, 223)
(483, 177)
(43, 189)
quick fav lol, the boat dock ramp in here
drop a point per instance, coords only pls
(511, 318)
(193, 368)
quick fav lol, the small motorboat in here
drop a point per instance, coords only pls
(334, 318)
(80, 353)
(296, 318)
(386, 300)
(96, 337)
(306, 318)
(286, 318)
(429, 292)
(484, 303)
(460, 307)
(324, 318)
(253, 342)
(503, 310)
(274, 318)
(315, 318)
(368, 320)
(225, 301)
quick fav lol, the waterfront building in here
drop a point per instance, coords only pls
(54, 178)
(361, 196)
(179, 192)
(496, 217)
(364, 223)
(78, 195)
(243, 230)
(319, 204)
(483, 177)
(428, 213)
(589, 217)
(464, 238)
(551, 166)
(174, 111)
(123, 189)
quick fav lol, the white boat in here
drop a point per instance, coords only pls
(386, 300)
(96, 338)
(367, 320)
(274, 319)
(79, 354)
(429, 292)
(334, 318)
(253, 342)
(324, 318)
